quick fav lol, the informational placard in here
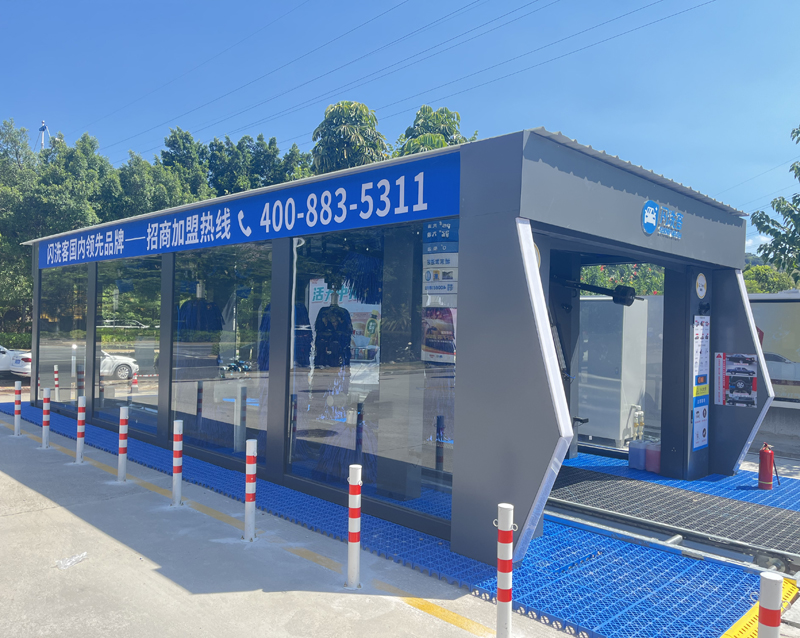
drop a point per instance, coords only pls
(736, 379)
(399, 192)
(700, 368)
(440, 290)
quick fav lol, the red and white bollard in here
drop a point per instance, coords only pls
(177, 462)
(770, 602)
(122, 460)
(17, 408)
(38, 386)
(81, 380)
(135, 382)
(46, 419)
(505, 554)
(102, 393)
(250, 491)
(354, 529)
(57, 397)
(81, 429)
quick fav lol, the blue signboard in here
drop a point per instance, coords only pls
(403, 192)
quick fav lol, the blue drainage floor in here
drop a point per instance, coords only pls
(592, 585)
(742, 487)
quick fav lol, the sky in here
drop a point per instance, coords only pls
(705, 93)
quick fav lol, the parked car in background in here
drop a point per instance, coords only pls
(781, 368)
(122, 323)
(111, 365)
(21, 363)
(7, 358)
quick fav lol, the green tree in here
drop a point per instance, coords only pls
(295, 165)
(646, 279)
(189, 160)
(431, 129)
(347, 137)
(766, 279)
(783, 248)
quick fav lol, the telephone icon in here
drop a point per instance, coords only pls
(245, 229)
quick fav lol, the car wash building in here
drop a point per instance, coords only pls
(433, 318)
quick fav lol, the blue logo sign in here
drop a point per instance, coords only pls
(649, 217)
(400, 192)
(427, 275)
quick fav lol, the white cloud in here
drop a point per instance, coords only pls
(754, 242)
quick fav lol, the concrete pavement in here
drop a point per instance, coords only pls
(152, 569)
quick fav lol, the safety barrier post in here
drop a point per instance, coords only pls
(505, 554)
(55, 378)
(354, 529)
(250, 491)
(17, 408)
(770, 601)
(199, 404)
(177, 462)
(240, 419)
(81, 380)
(102, 392)
(38, 386)
(46, 419)
(440, 443)
(122, 460)
(135, 382)
(81, 430)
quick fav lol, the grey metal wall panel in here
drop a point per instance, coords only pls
(564, 187)
(731, 427)
(506, 426)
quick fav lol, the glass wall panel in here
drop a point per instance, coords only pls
(778, 324)
(220, 377)
(128, 328)
(62, 334)
(373, 375)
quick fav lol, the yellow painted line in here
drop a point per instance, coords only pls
(457, 620)
(319, 559)
(747, 625)
(421, 604)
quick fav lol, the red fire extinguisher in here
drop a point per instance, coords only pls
(766, 464)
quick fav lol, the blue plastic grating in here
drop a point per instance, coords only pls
(591, 585)
(741, 487)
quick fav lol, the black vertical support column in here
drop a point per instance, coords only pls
(37, 293)
(165, 349)
(92, 352)
(676, 370)
(280, 345)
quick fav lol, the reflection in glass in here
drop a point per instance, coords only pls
(373, 372)
(128, 329)
(221, 346)
(62, 334)
(778, 324)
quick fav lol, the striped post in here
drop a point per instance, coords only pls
(505, 553)
(250, 491)
(55, 380)
(354, 529)
(17, 408)
(81, 430)
(46, 419)
(359, 431)
(102, 392)
(177, 462)
(122, 459)
(135, 382)
(81, 380)
(38, 386)
(770, 601)
(199, 404)
(440, 443)
(240, 419)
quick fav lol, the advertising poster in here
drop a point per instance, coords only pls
(736, 379)
(700, 385)
(439, 291)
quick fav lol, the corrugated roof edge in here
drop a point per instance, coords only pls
(614, 160)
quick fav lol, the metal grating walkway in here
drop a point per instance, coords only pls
(590, 585)
(760, 525)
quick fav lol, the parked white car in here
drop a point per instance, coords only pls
(20, 363)
(111, 365)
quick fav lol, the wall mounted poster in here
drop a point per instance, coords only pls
(700, 366)
(736, 381)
